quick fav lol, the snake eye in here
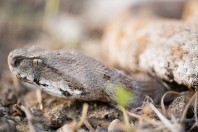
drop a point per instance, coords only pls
(37, 62)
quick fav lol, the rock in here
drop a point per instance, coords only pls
(2, 111)
(115, 126)
(101, 130)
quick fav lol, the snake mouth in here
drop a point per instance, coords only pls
(22, 76)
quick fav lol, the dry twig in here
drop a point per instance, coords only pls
(164, 112)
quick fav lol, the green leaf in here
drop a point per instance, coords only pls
(123, 95)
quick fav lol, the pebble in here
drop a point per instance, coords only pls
(65, 128)
(115, 126)
(101, 130)
(2, 111)
(11, 122)
(17, 118)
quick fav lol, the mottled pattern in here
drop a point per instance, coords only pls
(165, 48)
(174, 60)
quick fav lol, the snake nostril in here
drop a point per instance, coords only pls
(14, 58)
(15, 62)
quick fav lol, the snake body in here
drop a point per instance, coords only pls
(162, 47)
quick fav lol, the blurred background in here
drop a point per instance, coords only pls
(67, 24)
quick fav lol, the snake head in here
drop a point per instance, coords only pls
(65, 74)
